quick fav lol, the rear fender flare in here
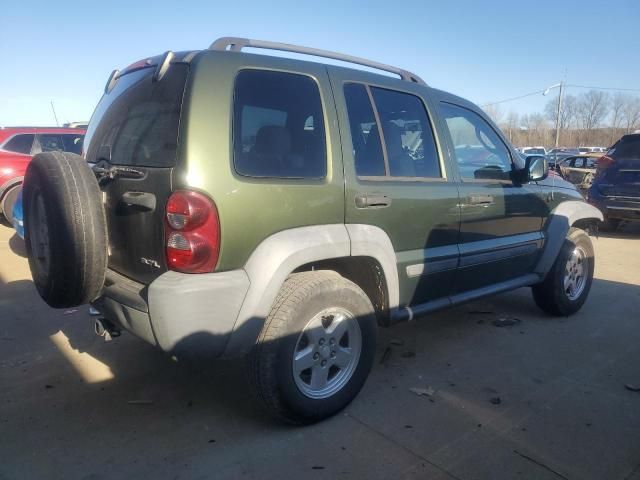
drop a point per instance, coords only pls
(561, 219)
(280, 254)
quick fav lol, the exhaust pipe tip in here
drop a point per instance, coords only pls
(99, 327)
(105, 329)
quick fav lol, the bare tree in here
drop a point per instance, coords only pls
(494, 111)
(618, 102)
(567, 111)
(511, 124)
(567, 114)
(631, 114)
(591, 109)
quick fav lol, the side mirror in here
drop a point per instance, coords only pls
(536, 168)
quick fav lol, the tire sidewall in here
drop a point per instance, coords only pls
(35, 186)
(341, 294)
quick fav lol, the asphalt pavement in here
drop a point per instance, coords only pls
(494, 389)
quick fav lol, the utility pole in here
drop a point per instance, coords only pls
(558, 114)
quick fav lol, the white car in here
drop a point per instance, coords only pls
(584, 150)
(534, 150)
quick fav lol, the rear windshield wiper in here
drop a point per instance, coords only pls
(105, 175)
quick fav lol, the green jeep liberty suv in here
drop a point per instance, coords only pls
(234, 203)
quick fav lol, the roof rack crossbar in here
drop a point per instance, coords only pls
(236, 44)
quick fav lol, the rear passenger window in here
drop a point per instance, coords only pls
(367, 149)
(20, 144)
(407, 136)
(278, 126)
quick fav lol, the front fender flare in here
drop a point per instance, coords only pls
(562, 218)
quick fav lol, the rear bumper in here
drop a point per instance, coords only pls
(623, 209)
(182, 314)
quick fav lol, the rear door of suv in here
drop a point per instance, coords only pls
(135, 125)
(397, 178)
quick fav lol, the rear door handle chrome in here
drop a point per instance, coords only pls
(372, 200)
(480, 199)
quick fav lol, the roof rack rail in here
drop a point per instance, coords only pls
(236, 44)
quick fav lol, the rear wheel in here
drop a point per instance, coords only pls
(567, 285)
(65, 229)
(316, 348)
(8, 201)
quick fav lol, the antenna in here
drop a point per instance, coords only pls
(54, 114)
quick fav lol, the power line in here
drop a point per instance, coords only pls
(566, 85)
(537, 92)
(606, 88)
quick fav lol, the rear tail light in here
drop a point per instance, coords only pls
(603, 163)
(192, 232)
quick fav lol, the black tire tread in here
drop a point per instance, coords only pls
(261, 362)
(549, 295)
(77, 228)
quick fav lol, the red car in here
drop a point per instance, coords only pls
(17, 147)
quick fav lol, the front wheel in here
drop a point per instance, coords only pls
(567, 285)
(316, 348)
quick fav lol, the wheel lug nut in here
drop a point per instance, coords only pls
(316, 356)
(321, 341)
(332, 341)
(323, 363)
(333, 354)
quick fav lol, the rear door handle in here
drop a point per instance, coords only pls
(480, 199)
(372, 200)
(140, 200)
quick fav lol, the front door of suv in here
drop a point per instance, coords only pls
(396, 179)
(501, 222)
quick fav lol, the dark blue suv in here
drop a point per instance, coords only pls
(616, 188)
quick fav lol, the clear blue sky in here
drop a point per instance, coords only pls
(482, 50)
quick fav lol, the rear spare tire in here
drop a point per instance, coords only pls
(65, 229)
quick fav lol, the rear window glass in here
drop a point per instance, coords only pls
(137, 122)
(627, 148)
(20, 143)
(278, 126)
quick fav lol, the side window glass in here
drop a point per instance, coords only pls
(72, 143)
(278, 126)
(478, 149)
(408, 137)
(365, 137)
(20, 144)
(50, 142)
